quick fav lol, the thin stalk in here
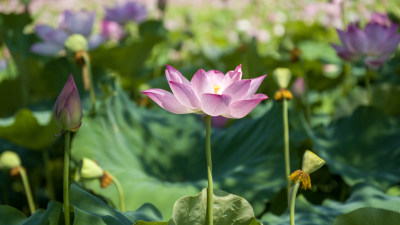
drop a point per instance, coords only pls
(120, 192)
(342, 9)
(349, 81)
(293, 201)
(306, 93)
(66, 176)
(49, 179)
(29, 197)
(89, 72)
(286, 142)
(368, 86)
(209, 172)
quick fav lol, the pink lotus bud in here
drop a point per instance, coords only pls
(68, 107)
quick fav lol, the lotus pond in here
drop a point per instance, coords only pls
(199, 112)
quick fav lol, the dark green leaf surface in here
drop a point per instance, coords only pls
(362, 147)
(89, 209)
(52, 216)
(33, 130)
(363, 196)
(369, 216)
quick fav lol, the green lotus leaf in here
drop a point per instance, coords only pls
(89, 209)
(229, 209)
(362, 147)
(33, 130)
(368, 216)
(363, 195)
(159, 157)
(52, 216)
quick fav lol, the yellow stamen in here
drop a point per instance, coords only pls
(283, 93)
(303, 177)
(216, 88)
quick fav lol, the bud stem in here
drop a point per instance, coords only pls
(293, 201)
(286, 142)
(27, 188)
(120, 192)
(88, 66)
(209, 214)
(66, 176)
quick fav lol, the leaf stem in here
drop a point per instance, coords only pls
(120, 192)
(66, 176)
(293, 201)
(49, 179)
(286, 142)
(88, 65)
(209, 214)
(368, 85)
(28, 192)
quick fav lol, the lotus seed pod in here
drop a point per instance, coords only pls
(90, 169)
(311, 162)
(282, 77)
(76, 42)
(9, 160)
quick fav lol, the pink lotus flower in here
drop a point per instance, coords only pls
(68, 107)
(211, 92)
(80, 22)
(374, 44)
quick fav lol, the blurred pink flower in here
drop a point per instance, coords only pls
(298, 87)
(374, 44)
(211, 92)
(129, 11)
(112, 30)
(80, 22)
(380, 18)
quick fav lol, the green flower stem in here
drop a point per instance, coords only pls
(49, 179)
(66, 176)
(293, 201)
(29, 197)
(89, 70)
(209, 171)
(286, 142)
(120, 192)
(368, 86)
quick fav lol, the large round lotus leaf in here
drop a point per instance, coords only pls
(159, 157)
(89, 209)
(33, 130)
(368, 216)
(363, 195)
(228, 210)
(362, 147)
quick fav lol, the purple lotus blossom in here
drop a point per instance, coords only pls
(211, 92)
(373, 45)
(80, 22)
(130, 11)
(112, 30)
(68, 107)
